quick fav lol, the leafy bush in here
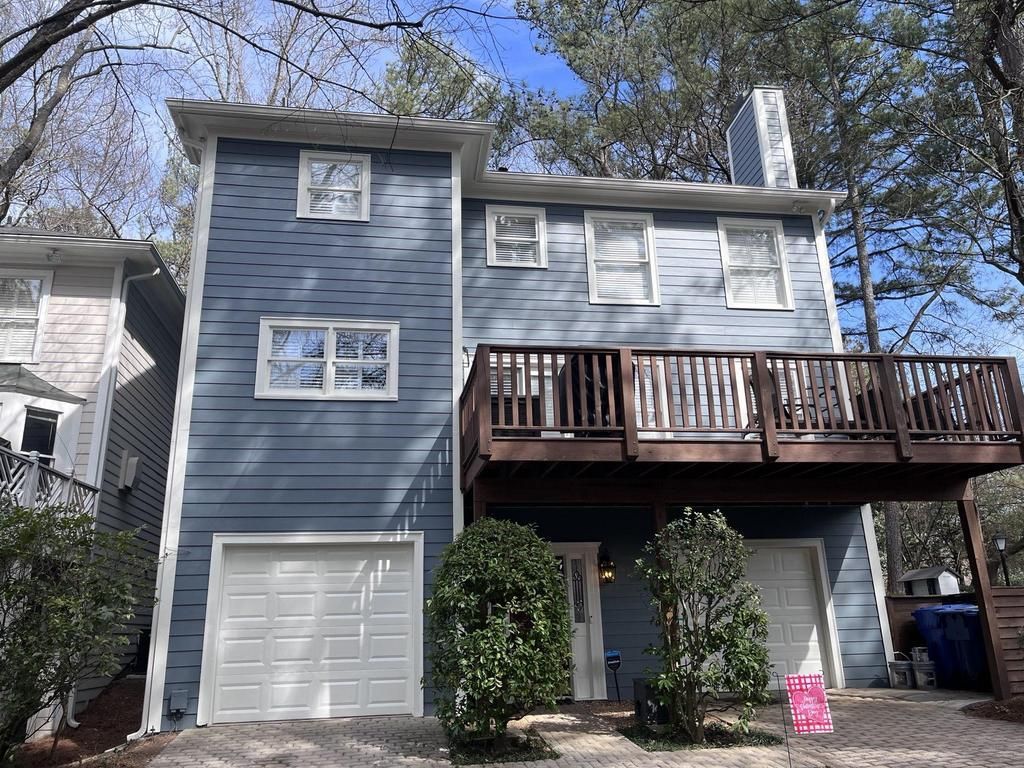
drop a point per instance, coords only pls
(713, 631)
(499, 632)
(66, 593)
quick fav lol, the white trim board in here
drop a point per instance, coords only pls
(152, 710)
(458, 370)
(836, 676)
(207, 678)
(827, 284)
(877, 582)
(108, 379)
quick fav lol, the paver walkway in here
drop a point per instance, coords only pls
(870, 733)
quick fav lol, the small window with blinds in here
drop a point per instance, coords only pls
(316, 359)
(516, 237)
(754, 263)
(334, 185)
(23, 297)
(621, 262)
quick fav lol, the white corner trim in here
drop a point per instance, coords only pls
(152, 710)
(458, 372)
(763, 143)
(207, 678)
(875, 563)
(492, 211)
(46, 276)
(650, 236)
(330, 326)
(108, 379)
(827, 284)
(787, 142)
(780, 247)
(837, 675)
(306, 157)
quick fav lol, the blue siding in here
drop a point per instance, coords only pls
(514, 305)
(625, 610)
(746, 148)
(303, 465)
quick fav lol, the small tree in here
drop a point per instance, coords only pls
(67, 592)
(499, 632)
(713, 630)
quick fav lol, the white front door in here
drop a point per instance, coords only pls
(579, 566)
(308, 631)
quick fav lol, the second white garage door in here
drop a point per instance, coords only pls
(307, 631)
(787, 579)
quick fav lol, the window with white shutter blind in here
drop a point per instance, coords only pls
(621, 261)
(754, 264)
(334, 185)
(23, 299)
(516, 237)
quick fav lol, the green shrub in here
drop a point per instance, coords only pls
(499, 632)
(67, 592)
(713, 631)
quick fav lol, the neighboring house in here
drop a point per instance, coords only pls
(384, 341)
(90, 334)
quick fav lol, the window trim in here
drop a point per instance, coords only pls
(306, 156)
(780, 247)
(491, 211)
(330, 325)
(44, 299)
(589, 218)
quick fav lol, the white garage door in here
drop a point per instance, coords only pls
(315, 631)
(789, 594)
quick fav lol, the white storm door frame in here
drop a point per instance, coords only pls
(836, 675)
(207, 681)
(589, 551)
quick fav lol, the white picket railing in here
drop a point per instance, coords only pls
(28, 482)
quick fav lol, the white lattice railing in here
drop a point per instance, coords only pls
(30, 483)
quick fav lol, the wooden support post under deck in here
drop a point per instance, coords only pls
(894, 407)
(975, 545)
(765, 407)
(660, 516)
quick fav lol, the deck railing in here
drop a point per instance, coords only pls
(636, 395)
(27, 481)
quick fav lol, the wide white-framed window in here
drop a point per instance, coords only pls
(516, 237)
(304, 358)
(754, 264)
(622, 265)
(23, 298)
(334, 185)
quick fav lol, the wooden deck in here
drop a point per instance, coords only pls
(790, 426)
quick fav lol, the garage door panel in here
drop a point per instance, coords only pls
(315, 632)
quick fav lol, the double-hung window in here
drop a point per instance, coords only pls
(318, 359)
(516, 237)
(23, 297)
(334, 185)
(621, 262)
(754, 263)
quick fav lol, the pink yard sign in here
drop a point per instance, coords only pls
(808, 704)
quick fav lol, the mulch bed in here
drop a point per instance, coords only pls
(109, 718)
(521, 749)
(1011, 710)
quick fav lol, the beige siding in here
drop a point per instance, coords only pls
(74, 335)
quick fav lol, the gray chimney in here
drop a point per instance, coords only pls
(760, 152)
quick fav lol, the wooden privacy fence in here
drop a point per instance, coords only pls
(1009, 605)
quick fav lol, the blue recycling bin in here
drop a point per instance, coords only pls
(963, 631)
(932, 625)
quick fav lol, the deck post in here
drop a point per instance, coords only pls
(1016, 398)
(975, 545)
(660, 516)
(632, 440)
(479, 501)
(765, 407)
(897, 415)
(482, 363)
(30, 484)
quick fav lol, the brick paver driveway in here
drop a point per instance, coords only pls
(870, 733)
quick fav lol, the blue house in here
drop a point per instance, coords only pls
(384, 341)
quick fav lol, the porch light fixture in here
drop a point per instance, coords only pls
(605, 567)
(1000, 541)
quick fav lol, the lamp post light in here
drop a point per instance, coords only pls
(1000, 541)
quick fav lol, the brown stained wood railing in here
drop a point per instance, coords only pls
(643, 395)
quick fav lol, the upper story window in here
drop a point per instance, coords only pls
(23, 297)
(516, 237)
(754, 263)
(621, 262)
(321, 359)
(334, 185)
